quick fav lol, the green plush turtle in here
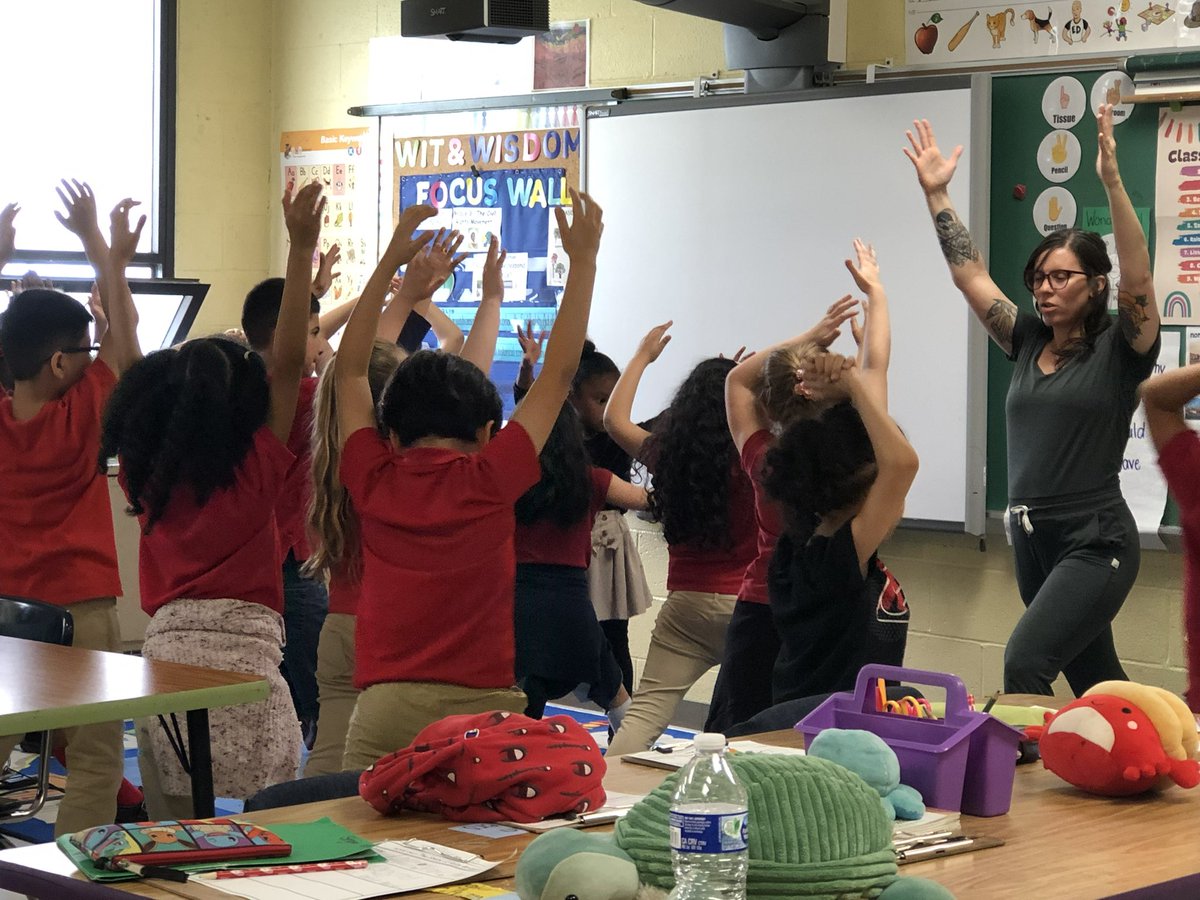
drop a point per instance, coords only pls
(583, 864)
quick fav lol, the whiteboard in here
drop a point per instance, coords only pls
(735, 220)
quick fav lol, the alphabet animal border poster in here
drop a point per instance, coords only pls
(335, 158)
(505, 184)
(957, 31)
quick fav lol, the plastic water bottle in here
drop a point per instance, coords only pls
(708, 821)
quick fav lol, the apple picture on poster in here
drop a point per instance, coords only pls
(926, 36)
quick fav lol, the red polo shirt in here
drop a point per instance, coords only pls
(227, 547)
(1180, 463)
(544, 542)
(56, 525)
(717, 570)
(438, 561)
(767, 516)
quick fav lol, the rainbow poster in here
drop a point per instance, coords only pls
(1177, 216)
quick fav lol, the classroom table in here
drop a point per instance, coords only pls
(1059, 842)
(48, 686)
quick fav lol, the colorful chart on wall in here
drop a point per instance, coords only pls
(507, 184)
(957, 31)
(335, 158)
(1177, 211)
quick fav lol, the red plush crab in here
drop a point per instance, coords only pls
(1121, 738)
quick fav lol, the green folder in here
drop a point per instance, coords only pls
(321, 841)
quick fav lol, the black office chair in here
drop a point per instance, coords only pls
(31, 620)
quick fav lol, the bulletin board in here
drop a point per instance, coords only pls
(1043, 150)
(503, 177)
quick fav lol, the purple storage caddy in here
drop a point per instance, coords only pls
(965, 761)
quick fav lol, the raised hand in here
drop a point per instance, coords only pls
(323, 280)
(1106, 157)
(655, 342)
(403, 245)
(581, 238)
(80, 204)
(302, 214)
(828, 329)
(866, 272)
(531, 347)
(934, 170)
(124, 241)
(822, 377)
(96, 306)
(493, 270)
(8, 232)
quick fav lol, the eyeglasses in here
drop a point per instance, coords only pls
(1058, 278)
(93, 349)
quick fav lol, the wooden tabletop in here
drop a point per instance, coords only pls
(46, 686)
(1059, 842)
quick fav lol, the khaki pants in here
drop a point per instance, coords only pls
(335, 684)
(688, 640)
(388, 716)
(95, 753)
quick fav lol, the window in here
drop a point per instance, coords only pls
(89, 94)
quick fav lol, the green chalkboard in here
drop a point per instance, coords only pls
(1018, 129)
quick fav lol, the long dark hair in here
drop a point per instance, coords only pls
(184, 418)
(819, 466)
(564, 490)
(693, 457)
(1092, 253)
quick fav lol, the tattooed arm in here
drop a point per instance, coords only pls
(934, 171)
(1137, 309)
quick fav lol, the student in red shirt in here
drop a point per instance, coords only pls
(760, 396)
(55, 519)
(336, 557)
(1178, 446)
(559, 643)
(200, 431)
(435, 499)
(705, 503)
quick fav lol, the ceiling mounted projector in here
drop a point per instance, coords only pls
(484, 21)
(764, 18)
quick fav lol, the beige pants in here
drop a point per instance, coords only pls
(688, 640)
(95, 753)
(388, 716)
(335, 681)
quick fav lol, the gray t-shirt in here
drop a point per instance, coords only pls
(1067, 430)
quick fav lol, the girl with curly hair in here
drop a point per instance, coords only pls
(705, 503)
(200, 433)
(560, 645)
(840, 480)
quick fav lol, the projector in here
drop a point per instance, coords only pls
(484, 21)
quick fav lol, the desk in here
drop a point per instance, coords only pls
(1059, 843)
(47, 686)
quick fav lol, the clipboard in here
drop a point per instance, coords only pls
(950, 847)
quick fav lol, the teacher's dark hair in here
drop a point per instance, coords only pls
(1090, 250)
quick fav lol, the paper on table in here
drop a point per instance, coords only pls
(409, 865)
(934, 820)
(614, 808)
(675, 754)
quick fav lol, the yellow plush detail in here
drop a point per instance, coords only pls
(1178, 741)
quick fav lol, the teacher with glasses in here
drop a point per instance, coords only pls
(1073, 393)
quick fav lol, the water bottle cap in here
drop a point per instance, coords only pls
(709, 742)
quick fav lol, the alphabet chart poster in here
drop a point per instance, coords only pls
(336, 159)
(503, 184)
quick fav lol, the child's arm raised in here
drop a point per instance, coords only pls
(1165, 396)
(895, 460)
(8, 233)
(427, 271)
(627, 496)
(80, 219)
(120, 339)
(302, 215)
(618, 413)
(876, 351)
(480, 347)
(745, 413)
(934, 172)
(581, 240)
(1137, 310)
(353, 391)
(449, 336)
(531, 352)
